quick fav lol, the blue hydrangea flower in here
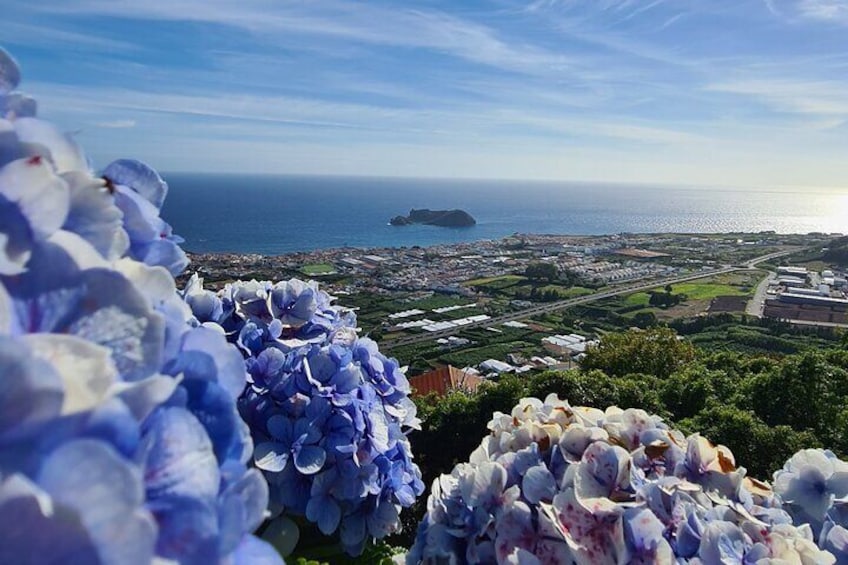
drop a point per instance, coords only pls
(327, 411)
(205, 304)
(120, 440)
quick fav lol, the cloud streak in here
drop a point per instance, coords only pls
(358, 22)
(117, 124)
(651, 87)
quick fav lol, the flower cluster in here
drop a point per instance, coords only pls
(559, 484)
(326, 409)
(120, 441)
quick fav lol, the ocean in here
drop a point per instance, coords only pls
(281, 214)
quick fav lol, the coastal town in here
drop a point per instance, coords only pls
(529, 302)
(444, 268)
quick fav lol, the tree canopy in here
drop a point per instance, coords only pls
(655, 351)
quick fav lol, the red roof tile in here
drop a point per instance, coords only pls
(443, 380)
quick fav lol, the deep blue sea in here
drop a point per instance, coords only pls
(281, 214)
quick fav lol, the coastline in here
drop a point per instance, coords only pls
(445, 266)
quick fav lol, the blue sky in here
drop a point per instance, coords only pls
(731, 92)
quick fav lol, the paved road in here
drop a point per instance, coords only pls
(755, 305)
(563, 304)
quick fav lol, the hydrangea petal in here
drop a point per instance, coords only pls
(538, 485)
(140, 177)
(384, 520)
(110, 506)
(143, 396)
(50, 143)
(325, 512)
(30, 390)
(254, 551)
(43, 197)
(178, 458)
(34, 531)
(94, 216)
(10, 72)
(242, 509)
(10, 146)
(309, 459)
(86, 369)
(271, 456)
(18, 104)
(78, 250)
(16, 243)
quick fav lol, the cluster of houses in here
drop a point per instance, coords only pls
(614, 272)
(443, 268)
(565, 350)
(572, 346)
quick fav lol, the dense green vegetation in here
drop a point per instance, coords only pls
(837, 251)
(541, 271)
(541, 282)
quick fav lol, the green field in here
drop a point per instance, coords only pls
(496, 282)
(692, 290)
(563, 293)
(708, 291)
(517, 286)
(638, 299)
(317, 269)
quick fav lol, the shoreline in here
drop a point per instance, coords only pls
(359, 249)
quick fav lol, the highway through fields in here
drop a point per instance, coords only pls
(563, 304)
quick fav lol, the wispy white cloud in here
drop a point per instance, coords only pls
(815, 97)
(488, 119)
(117, 124)
(772, 7)
(659, 85)
(360, 22)
(672, 20)
(827, 10)
(46, 35)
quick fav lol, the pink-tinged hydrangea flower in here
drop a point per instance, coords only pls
(576, 485)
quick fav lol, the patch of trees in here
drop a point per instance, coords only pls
(656, 351)
(837, 251)
(665, 299)
(645, 320)
(546, 295)
(542, 272)
(770, 326)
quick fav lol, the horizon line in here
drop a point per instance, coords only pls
(658, 184)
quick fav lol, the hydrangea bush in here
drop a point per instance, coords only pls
(327, 411)
(120, 439)
(557, 484)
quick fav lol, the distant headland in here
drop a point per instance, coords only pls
(444, 218)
